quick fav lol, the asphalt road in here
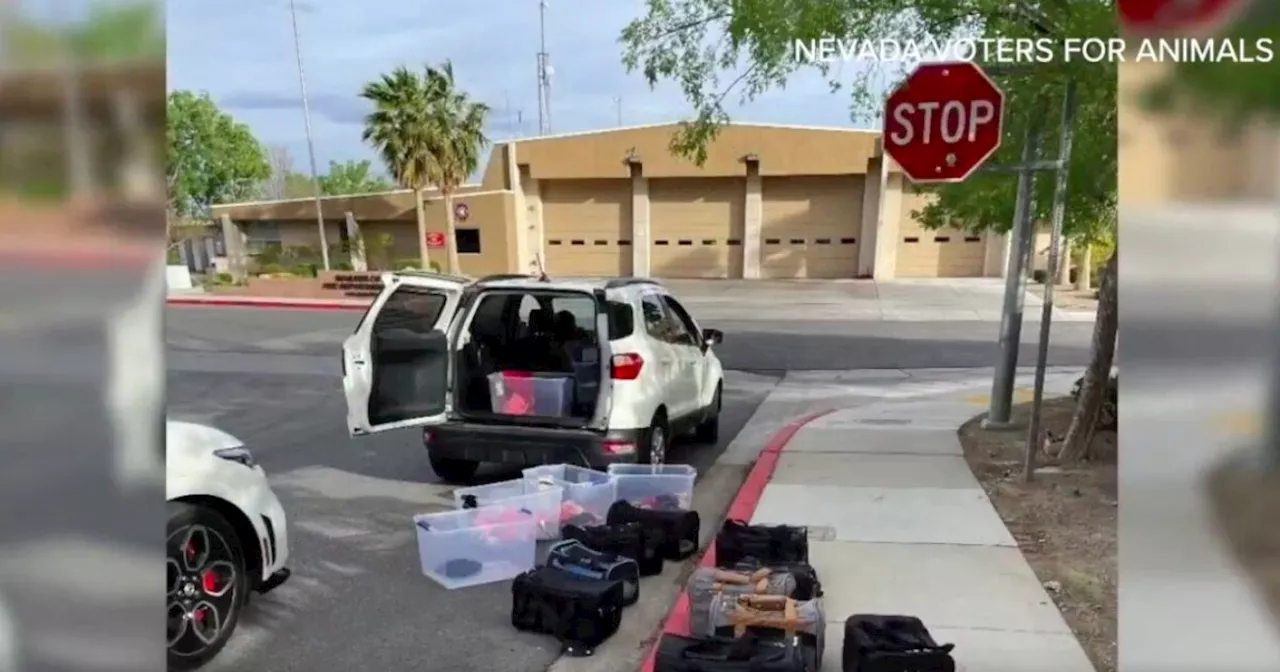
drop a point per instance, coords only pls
(358, 600)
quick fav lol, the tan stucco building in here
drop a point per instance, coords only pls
(770, 202)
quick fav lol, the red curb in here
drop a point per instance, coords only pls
(266, 303)
(742, 507)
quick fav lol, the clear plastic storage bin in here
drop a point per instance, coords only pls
(467, 548)
(587, 493)
(518, 495)
(641, 483)
(531, 393)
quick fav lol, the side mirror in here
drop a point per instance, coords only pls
(712, 336)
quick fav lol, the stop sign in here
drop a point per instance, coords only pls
(1177, 15)
(943, 122)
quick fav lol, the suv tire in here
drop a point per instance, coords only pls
(708, 430)
(453, 470)
(657, 439)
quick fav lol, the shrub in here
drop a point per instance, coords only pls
(343, 266)
(224, 278)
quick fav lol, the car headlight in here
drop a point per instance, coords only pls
(240, 455)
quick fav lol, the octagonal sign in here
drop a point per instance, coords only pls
(943, 122)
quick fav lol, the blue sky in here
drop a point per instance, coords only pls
(241, 52)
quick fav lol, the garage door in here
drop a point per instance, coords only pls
(944, 253)
(810, 226)
(697, 226)
(588, 227)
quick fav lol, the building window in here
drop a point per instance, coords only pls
(467, 240)
(262, 237)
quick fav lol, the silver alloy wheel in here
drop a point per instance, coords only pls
(657, 446)
(201, 590)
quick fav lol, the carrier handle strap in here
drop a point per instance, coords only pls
(724, 577)
(763, 611)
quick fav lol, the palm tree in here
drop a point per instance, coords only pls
(459, 125)
(428, 133)
(399, 128)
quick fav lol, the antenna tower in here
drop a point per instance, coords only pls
(544, 72)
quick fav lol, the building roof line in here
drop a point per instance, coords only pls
(751, 124)
(308, 199)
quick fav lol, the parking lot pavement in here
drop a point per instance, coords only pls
(357, 600)
(192, 333)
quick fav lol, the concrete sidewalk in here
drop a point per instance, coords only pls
(899, 525)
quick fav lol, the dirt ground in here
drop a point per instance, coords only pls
(1064, 521)
(1247, 500)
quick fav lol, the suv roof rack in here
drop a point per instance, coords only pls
(432, 274)
(618, 283)
(509, 276)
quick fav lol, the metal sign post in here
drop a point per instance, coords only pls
(1066, 135)
(1015, 286)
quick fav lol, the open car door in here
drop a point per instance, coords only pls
(395, 367)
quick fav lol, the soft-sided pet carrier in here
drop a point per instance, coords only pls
(678, 528)
(580, 613)
(808, 586)
(629, 540)
(707, 582)
(739, 542)
(726, 654)
(877, 643)
(772, 617)
(573, 557)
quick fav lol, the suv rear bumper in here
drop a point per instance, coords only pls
(531, 446)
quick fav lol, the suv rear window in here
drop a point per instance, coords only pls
(622, 322)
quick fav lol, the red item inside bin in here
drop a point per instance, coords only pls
(519, 397)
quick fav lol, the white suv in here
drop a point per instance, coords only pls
(635, 369)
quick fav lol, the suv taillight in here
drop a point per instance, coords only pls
(626, 367)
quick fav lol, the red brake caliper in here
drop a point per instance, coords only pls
(210, 581)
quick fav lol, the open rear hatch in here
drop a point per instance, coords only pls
(533, 356)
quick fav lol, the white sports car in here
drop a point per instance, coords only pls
(226, 539)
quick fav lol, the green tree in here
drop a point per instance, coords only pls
(352, 177)
(112, 31)
(399, 128)
(427, 132)
(212, 158)
(722, 50)
(677, 40)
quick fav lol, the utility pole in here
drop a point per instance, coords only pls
(1066, 136)
(311, 147)
(617, 101)
(544, 73)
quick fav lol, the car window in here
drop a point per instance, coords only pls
(688, 330)
(622, 321)
(413, 308)
(528, 304)
(655, 316)
(582, 309)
